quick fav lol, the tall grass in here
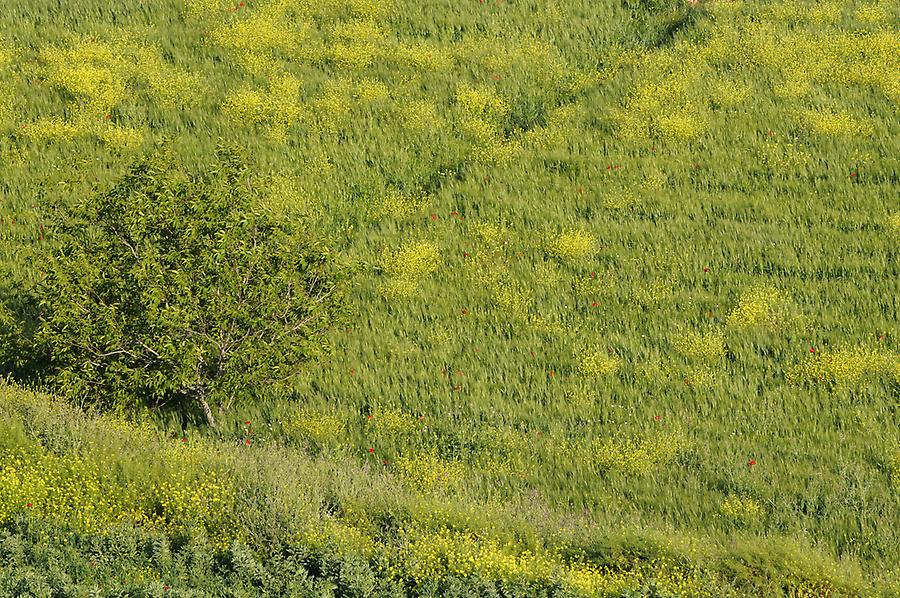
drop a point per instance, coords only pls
(614, 253)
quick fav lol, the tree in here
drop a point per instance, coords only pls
(172, 290)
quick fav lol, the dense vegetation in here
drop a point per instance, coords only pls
(625, 293)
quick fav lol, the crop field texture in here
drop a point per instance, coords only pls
(626, 305)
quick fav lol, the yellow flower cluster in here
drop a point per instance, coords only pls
(708, 347)
(484, 113)
(6, 54)
(892, 223)
(396, 204)
(571, 246)
(173, 88)
(845, 365)
(433, 554)
(621, 199)
(514, 299)
(775, 154)
(758, 306)
(321, 428)
(100, 74)
(256, 39)
(121, 137)
(66, 489)
(599, 362)
(703, 377)
(409, 265)
(333, 104)
(660, 105)
(831, 123)
(425, 471)
(91, 70)
(488, 144)
(482, 102)
(50, 128)
(360, 31)
(634, 455)
(278, 108)
(353, 56)
(371, 90)
(201, 10)
(674, 579)
(393, 422)
(872, 12)
(418, 115)
(601, 581)
(682, 125)
(740, 510)
(729, 93)
(187, 504)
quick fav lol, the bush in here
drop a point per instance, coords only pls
(174, 291)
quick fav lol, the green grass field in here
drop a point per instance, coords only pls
(626, 322)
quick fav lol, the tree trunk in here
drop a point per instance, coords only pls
(207, 411)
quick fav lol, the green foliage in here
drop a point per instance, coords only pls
(171, 292)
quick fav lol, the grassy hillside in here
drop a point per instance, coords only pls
(630, 281)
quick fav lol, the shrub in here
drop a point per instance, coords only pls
(165, 291)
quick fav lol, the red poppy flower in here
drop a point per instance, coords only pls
(454, 213)
(595, 304)
(246, 423)
(369, 417)
(812, 350)
(465, 254)
(852, 174)
(184, 440)
(28, 505)
(751, 462)
(247, 442)
(657, 418)
(371, 450)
